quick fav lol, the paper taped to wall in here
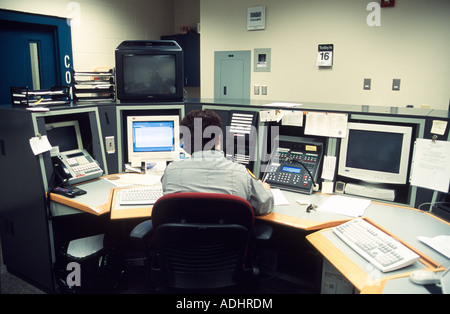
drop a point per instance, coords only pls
(431, 165)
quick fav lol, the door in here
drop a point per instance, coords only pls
(232, 74)
(28, 55)
(35, 51)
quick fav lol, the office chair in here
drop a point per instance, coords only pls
(201, 240)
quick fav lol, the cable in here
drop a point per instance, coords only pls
(431, 203)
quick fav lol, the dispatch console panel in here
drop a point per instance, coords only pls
(294, 164)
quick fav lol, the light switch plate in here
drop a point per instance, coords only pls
(367, 83)
(396, 84)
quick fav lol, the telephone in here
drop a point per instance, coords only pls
(294, 164)
(76, 166)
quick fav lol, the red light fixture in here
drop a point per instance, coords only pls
(387, 3)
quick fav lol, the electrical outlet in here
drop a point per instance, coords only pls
(110, 146)
(264, 90)
(256, 89)
(396, 84)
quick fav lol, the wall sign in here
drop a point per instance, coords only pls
(256, 18)
(325, 55)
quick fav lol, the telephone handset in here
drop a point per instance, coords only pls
(294, 165)
(76, 166)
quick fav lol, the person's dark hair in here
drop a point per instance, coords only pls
(204, 118)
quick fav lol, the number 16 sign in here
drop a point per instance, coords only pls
(325, 56)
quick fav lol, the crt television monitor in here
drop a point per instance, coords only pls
(149, 71)
(65, 137)
(152, 138)
(376, 153)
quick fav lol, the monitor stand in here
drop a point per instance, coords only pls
(372, 191)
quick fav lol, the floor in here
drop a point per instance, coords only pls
(133, 282)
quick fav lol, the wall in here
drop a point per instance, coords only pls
(186, 13)
(99, 26)
(411, 44)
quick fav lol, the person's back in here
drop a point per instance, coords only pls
(209, 171)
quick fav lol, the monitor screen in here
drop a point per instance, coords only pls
(153, 136)
(64, 136)
(149, 74)
(376, 153)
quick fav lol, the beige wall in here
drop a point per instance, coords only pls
(186, 13)
(101, 25)
(412, 44)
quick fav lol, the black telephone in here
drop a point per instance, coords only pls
(294, 164)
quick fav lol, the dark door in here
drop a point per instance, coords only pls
(28, 57)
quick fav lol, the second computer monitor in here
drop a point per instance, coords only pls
(376, 153)
(152, 138)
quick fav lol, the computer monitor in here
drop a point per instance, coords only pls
(65, 137)
(152, 138)
(376, 153)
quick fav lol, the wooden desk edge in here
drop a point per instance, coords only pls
(338, 259)
(378, 287)
(300, 223)
(134, 212)
(100, 210)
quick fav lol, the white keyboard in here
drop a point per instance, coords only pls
(145, 195)
(377, 247)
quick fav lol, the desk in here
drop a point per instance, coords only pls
(295, 215)
(100, 199)
(97, 201)
(402, 222)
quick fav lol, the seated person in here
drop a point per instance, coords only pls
(209, 171)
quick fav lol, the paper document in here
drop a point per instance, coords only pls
(439, 243)
(345, 205)
(40, 144)
(329, 167)
(279, 198)
(134, 179)
(326, 124)
(268, 115)
(292, 117)
(439, 127)
(431, 165)
(283, 104)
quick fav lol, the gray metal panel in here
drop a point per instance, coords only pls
(232, 74)
(24, 224)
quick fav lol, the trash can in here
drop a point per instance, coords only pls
(87, 265)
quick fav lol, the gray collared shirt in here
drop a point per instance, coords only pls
(210, 171)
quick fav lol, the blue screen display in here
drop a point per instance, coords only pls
(153, 136)
(291, 169)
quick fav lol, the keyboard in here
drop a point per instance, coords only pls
(377, 247)
(140, 195)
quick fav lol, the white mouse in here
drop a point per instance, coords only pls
(425, 277)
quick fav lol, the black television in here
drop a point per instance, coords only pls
(149, 71)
